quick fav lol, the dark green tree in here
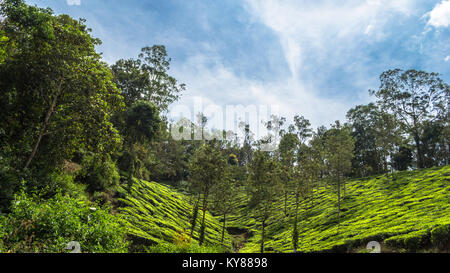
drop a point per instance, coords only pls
(339, 147)
(147, 78)
(57, 95)
(207, 169)
(414, 97)
(264, 188)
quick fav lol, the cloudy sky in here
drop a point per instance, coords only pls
(316, 58)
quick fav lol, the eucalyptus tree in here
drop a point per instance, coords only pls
(414, 97)
(287, 148)
(306, 173)
(207, 169)
(264, 188)
(225, 197)
(339, 147)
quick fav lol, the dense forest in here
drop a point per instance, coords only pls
(87, 156)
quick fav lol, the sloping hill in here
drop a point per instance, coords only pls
(158, 214)
(407, 211)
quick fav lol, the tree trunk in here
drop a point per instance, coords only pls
(202, 229)
(285, 201)
(420, 164)
(295, 232)
(194, 215)
(345, 190)
(223, 227)
(262, 235)
(339, 200)
(42, 132)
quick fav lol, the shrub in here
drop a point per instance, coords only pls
(440, 236)
(2, 220)
(47, 226)
(8, 185)
(184, 248)
(99, 175)
(9, 182)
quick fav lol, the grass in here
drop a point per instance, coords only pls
(158, 215)
(407, 211)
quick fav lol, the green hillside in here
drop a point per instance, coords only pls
(409, 211)
(158, 214)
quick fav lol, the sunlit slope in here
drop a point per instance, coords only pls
(406, 211)
(155, 214)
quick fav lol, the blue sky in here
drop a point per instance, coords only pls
(314, 58)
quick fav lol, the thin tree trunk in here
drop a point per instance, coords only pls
(339, 200)
(223, 227)
(345, 190)
(42, 132)
(285, 201)
(262, 235)
(194, 215)
(419, 152)
(202, 229)
(295, 232)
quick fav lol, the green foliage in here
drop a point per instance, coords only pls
(3, 41)
(264, 188)
(415, 98)
(57, 95)
(156, 214)
(99, 174)
(47, 226)
(56, 182)
(402, 159)
(440, 236)
(402, 209)
(8, 185)
(147, 78)
(233, 160)
(142, 122)
(186, 248)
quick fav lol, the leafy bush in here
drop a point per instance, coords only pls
(2, 220)
(184, 248)
(440, 236)
(8, 184)
(47, 226)
(99, 175)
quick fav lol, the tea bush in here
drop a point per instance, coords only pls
(47, 226)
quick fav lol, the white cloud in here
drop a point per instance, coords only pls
(206, 77)
(368, 29)
(447, 58)
(440, 15)
(324, 25)
(325, 31)
(73, 2)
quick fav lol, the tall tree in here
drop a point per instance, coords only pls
(287, 148)
(414, 97)
(225, 197)
(207, 169)
(339, 147)
(140, 126)
(376, 136)
(57, 94)
(306, 173)
(263, 187)
(147, 78)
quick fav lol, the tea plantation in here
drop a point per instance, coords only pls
(406, 211)
(157, 214)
